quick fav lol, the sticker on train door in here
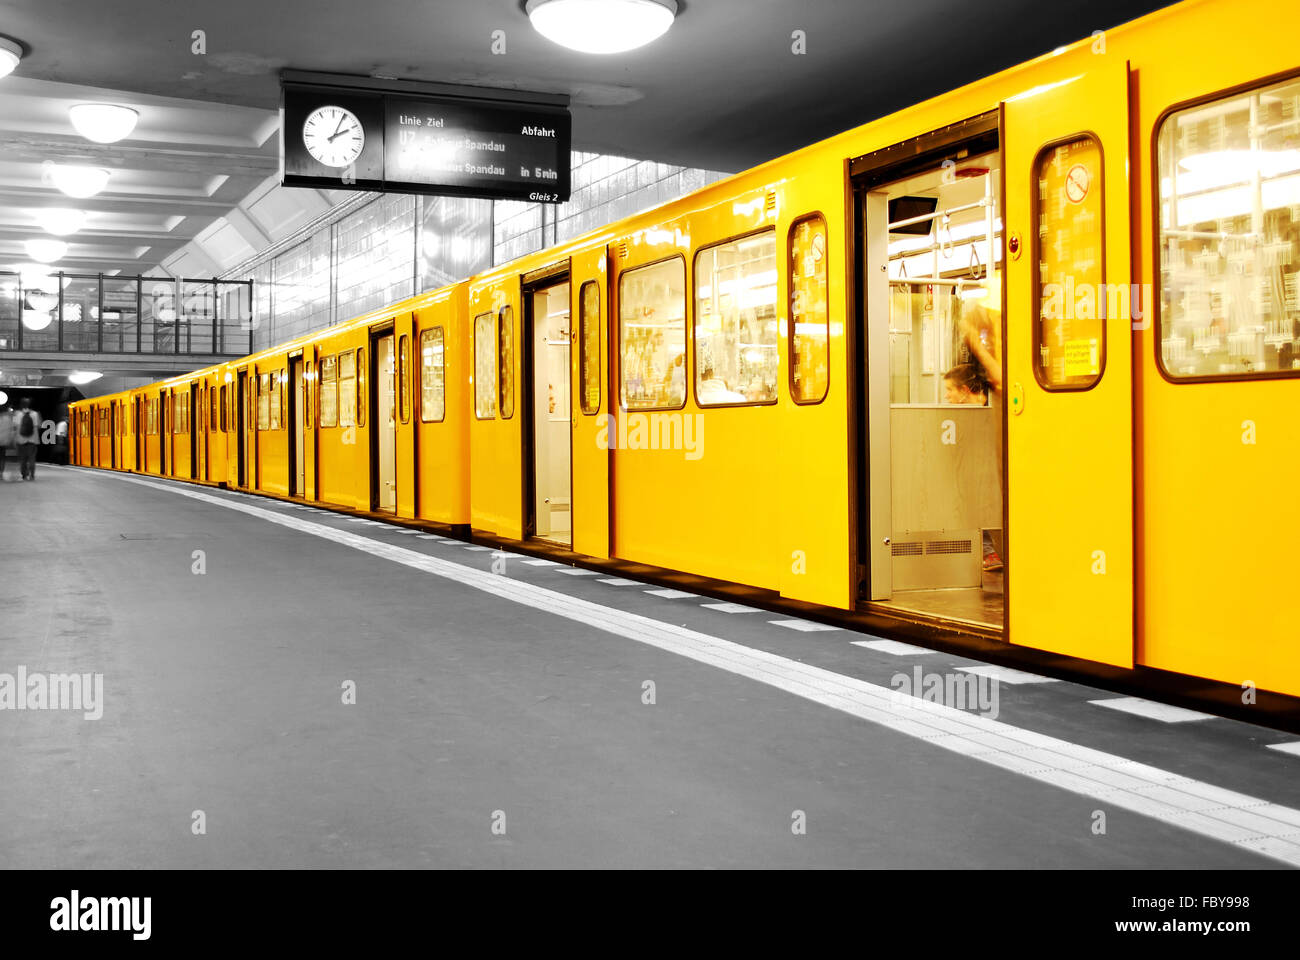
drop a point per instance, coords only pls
(1082, 358)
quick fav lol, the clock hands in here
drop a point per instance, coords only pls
(338, 133)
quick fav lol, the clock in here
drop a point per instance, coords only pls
(334, 136)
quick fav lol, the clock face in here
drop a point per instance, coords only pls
(334, 136)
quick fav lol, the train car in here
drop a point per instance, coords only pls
(1016, 362)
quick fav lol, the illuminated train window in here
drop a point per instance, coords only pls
(329, 392)
(346, 388)
(432, 376)
(1070, 335)
(652, 336)
(810, 324)
(589, 346)
(506, 346)
(485, 367)
(1229, 211)
(737, 357)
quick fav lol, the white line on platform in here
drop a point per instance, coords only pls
(1164, 712)
(1291, 748)
(803, 626)
(1237, 818)
(669, 594)
(894, 647)
(577, 571)
(427, 536)
(541, 563)
(730, 608)
(475, 546)
(621, 582)
(1007, 674)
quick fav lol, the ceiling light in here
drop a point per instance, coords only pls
(61, 221)
(34, 276)
(11, 51)
(41, 302)
(602, 26)
(4, 398)
(103, 122)
(46, 250)
(78, 181)
(36, 319)
(83, 377)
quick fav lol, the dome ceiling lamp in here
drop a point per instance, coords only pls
(602, 26)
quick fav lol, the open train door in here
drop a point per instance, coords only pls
(1068, 347)
(591, 406)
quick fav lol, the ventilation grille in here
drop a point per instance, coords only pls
(622, 250)
(770, 206)
(906, 549)
(947, 546)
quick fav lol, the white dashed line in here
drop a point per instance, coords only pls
(895, 647)
(475, 547)
(621, 582)
(541, 563)
(1007, 674)
(670, 594)
(1164, 712)
(577, 572)
(1291, 748)
(730, 608)
(803, 626)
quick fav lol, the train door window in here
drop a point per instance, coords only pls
(1070, 335)
(1229, 208)
(306, 394)
(506, 347)
(737, 360)
(275, 399)
(264, 402)
(810, 324)
(652, 335)
(589, 345)
(485, 367)
(432, 376)
(935, 312)
(404, 378)
(329, 392)
(362, 395)
(210, 398)
(347, 389)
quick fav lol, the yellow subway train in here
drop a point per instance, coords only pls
(1017, 362)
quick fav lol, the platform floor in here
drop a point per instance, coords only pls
(496, 690)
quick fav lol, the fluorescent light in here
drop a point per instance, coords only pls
(61, 221)
(103, 122)
(35, 319)
(78, 181)
(46, 249)
(602, 26)
(1234, 166)
(83, 377)
(10, 53)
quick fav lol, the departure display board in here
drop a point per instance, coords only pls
(361, 138)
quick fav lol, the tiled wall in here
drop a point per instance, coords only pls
(396, 245)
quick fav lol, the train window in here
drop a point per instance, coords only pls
(485, 367)
(361, 386)
(404, 377)
(329, 392)
(589, 345)
(810, 323)
(276, 399)
(433, 374)
(652, 335)
(305, 399)
(223, 409)
(264, 402)
(209, 397)
(506, 348)
(737, 360)
(1070, 335)
(347, 389)
(1229, 212)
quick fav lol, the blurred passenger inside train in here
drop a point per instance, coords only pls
(964, 384)
(712, 389)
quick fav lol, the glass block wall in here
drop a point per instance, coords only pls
(390, 246)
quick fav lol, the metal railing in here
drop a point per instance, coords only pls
(98, 313)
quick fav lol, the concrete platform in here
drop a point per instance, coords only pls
(493, 690)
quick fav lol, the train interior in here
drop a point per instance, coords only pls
(384, 433)
(938, 413)
(549, 327)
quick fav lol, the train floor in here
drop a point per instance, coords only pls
(288, 687)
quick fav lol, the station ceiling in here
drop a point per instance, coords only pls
(722, 90)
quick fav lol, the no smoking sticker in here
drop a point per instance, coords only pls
(1077, 182)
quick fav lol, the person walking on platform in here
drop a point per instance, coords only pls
(27, 434)
(6, 436)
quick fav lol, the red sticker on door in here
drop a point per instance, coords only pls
(1077, 182)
